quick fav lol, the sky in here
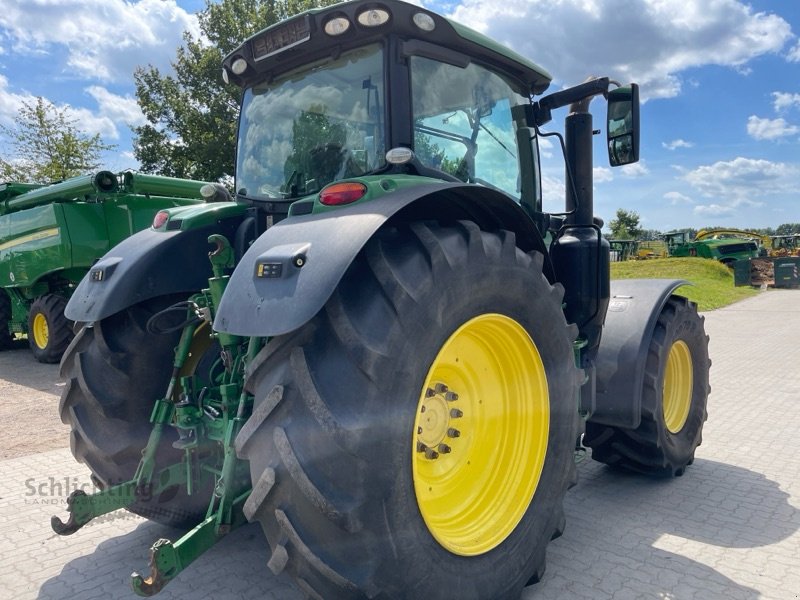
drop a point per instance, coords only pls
(719, 81)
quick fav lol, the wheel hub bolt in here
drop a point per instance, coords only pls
(451, 396)
(443, 448)
(421, 447)
(440, 388)
(431, 454)
(453, 432)
(430, 392)
(456, 413)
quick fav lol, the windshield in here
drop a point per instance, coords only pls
(463, 124)
(312, 126)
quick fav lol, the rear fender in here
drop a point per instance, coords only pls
(289, 273)
(147, 264)
(630, 322)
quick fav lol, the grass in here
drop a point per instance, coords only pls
(712, 281)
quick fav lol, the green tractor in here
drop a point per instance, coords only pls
(50, 235)
(381, 361)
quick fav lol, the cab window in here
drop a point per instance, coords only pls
(463, 125)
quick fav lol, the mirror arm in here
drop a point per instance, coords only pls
(578, 97)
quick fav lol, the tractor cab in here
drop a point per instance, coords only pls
(327, 122)
(404, 92)
(367, 90)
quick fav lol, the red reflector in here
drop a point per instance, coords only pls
(160, 218)
(342, 193)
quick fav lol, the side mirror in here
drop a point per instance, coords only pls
(623, 125)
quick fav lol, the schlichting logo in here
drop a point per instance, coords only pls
(56, 490)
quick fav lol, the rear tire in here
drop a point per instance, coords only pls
(115, 370)
(674, 400)
(49, 331)
(340, 481)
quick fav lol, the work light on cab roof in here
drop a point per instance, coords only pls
(373, 17)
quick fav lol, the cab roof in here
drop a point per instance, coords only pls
(302, 38)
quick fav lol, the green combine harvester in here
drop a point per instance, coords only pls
(726, 246)
(373, 353)
(50, 235)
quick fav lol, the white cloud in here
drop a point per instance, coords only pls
(794, 53)
(785, 100)
(635, 170)
(546, 147)
(91, 123)
(675, 144)
(100, 39)
(744, 181)
(10, 103)
(602, 174)
(769, 129)
(123, 110)
(676, 198)
(714, 210)
(553, 192)
(112, 111)
(650, 42)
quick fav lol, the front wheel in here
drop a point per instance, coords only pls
(49, 331)
(415, 439)
(674, 400)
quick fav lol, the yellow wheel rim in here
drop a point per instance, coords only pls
(480, 434)
(677, 394)
(41, 332)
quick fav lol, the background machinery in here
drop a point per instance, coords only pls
(381, 361)
(726, 246)
(622, 250)
(784, 245)
(51, 234)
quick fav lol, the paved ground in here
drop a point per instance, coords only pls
(728, 529)
(29, 393)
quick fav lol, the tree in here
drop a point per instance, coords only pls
(787, 229)
(626, 225)
(649, 235)
(48, 146)
(192, 115)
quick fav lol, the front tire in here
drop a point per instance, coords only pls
(115, 370)
(674, 399)
(416, 438)
(49, 331)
